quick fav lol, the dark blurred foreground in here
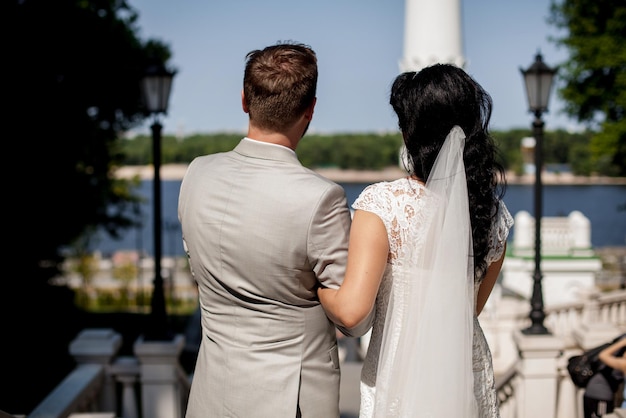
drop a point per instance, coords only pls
(34, 356)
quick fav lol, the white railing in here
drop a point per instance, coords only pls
(110, 385)
(602, 310)
(505, 386)
(113, 385)
(78, 392)
(560, 235)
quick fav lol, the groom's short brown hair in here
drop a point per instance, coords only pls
(279, 84)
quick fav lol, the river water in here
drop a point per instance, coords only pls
(604, 205)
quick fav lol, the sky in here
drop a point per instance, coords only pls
(359, 44)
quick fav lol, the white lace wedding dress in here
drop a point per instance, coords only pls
(403, 205)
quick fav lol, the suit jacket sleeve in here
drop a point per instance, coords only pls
(330, 230)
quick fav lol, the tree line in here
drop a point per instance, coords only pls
(375, 151)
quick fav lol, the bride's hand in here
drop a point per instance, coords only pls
(325, 294)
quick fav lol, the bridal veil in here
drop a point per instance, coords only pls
(425, 370)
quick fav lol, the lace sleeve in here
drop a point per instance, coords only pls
(399, 204)
(499, 233)
(375, 198)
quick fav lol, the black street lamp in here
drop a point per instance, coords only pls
(538, 81)
(156, 85)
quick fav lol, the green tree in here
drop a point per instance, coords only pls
(509, 146)
(82, 261)
(73, 90)
(73, 69)
(373, 151)
(594, 76)
(125, 270)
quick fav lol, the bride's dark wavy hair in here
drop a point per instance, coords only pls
(428, 104)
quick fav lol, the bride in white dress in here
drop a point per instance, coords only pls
(425, 252)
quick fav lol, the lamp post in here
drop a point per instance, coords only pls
(156, 85)
(538, 81)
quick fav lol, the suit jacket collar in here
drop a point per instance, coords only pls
(257, 149)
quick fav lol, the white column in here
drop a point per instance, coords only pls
(99, 346)
(432, 34)
(569, 396)
(524, 237)
(537, 369)
(126, 371)
(160, 389)
(581, 229)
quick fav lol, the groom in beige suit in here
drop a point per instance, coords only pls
(262, 233)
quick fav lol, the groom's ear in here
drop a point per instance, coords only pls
(244, 106)
(308, 113)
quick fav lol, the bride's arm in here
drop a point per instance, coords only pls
(486, 286)
(353, 302)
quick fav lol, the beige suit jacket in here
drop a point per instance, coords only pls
(262, 233)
